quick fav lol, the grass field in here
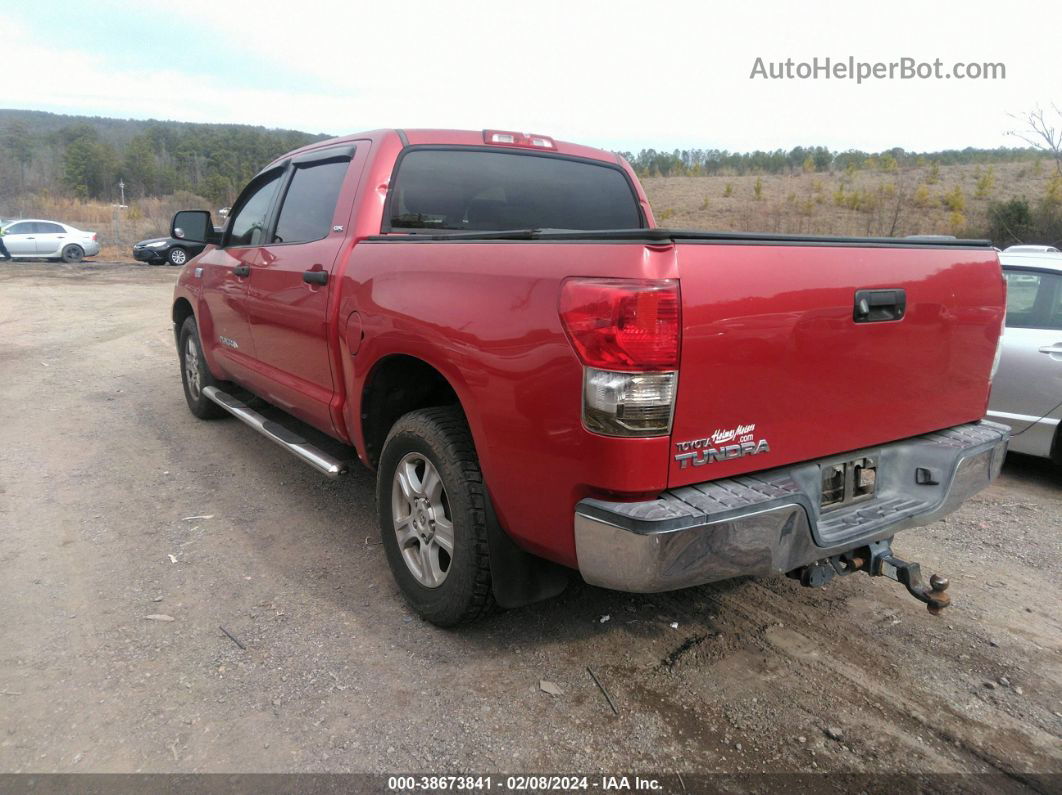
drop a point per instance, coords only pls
(952, 200)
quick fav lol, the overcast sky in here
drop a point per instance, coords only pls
(622, 75)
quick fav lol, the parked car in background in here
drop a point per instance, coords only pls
(162, 250)
(1027, 390)
(1030, 250)
(39, 239)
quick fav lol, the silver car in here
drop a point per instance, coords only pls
(1027, 390)
(32, 237)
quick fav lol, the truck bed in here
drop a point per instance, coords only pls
(768, 340)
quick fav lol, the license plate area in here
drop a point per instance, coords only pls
(848, 482)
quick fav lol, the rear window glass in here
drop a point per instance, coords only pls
(491, 191)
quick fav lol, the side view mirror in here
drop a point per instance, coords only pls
(195, 226)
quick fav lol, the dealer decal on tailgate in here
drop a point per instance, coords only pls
(742, 441)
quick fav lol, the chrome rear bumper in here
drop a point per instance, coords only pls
(771, 522)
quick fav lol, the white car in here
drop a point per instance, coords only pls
(1027, 389)
(41, 239)
(1030, 250)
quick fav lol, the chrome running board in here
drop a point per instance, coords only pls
(289, 440)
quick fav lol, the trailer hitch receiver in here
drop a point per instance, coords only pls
(881, 562)
(877, 560)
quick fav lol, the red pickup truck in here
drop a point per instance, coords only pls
(546, 381)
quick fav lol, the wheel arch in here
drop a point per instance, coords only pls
(182, 310)
(518, 577)
(396, 384)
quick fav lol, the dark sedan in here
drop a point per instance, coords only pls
(163, 250)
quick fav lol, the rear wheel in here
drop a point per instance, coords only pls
(73, 254)
(178, 256)
(195, 374)
(433, 519)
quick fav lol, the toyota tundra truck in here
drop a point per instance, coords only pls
(546, 382)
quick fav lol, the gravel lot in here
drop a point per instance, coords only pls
(117, 505)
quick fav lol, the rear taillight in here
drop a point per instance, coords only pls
(623, 324)
(95, 237)
(626, 332)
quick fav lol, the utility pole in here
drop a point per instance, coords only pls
(118, 212)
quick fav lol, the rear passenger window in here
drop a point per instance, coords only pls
(310, 202)
(469, 190)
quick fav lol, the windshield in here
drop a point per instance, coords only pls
(472, 190)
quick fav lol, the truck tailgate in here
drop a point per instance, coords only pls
(775, 368)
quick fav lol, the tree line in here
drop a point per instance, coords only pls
(802, 159)
(89, 158)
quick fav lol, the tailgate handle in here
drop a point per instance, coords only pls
(877, 306)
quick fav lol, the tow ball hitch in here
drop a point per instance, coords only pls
(877, 560)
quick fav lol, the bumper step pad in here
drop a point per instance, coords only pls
(773, 522)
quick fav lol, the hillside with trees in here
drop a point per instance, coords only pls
(86, 157)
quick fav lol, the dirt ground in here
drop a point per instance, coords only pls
(117, 505)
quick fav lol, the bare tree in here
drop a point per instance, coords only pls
(1041, 133)
(901, 198)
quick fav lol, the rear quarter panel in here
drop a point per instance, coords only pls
(486, 316)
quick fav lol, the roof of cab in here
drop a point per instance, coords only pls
(427, 137)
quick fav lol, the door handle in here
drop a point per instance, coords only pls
(241, 270)
(315, 277)
(875, 306)
(1055, 349)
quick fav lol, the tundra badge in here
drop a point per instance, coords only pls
(715, 447)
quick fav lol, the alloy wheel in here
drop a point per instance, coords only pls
(191, 369)
(422, 520)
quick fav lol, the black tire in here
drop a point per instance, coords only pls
(441, 437)
(177, 256)
(198, 376)
(73, 253)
